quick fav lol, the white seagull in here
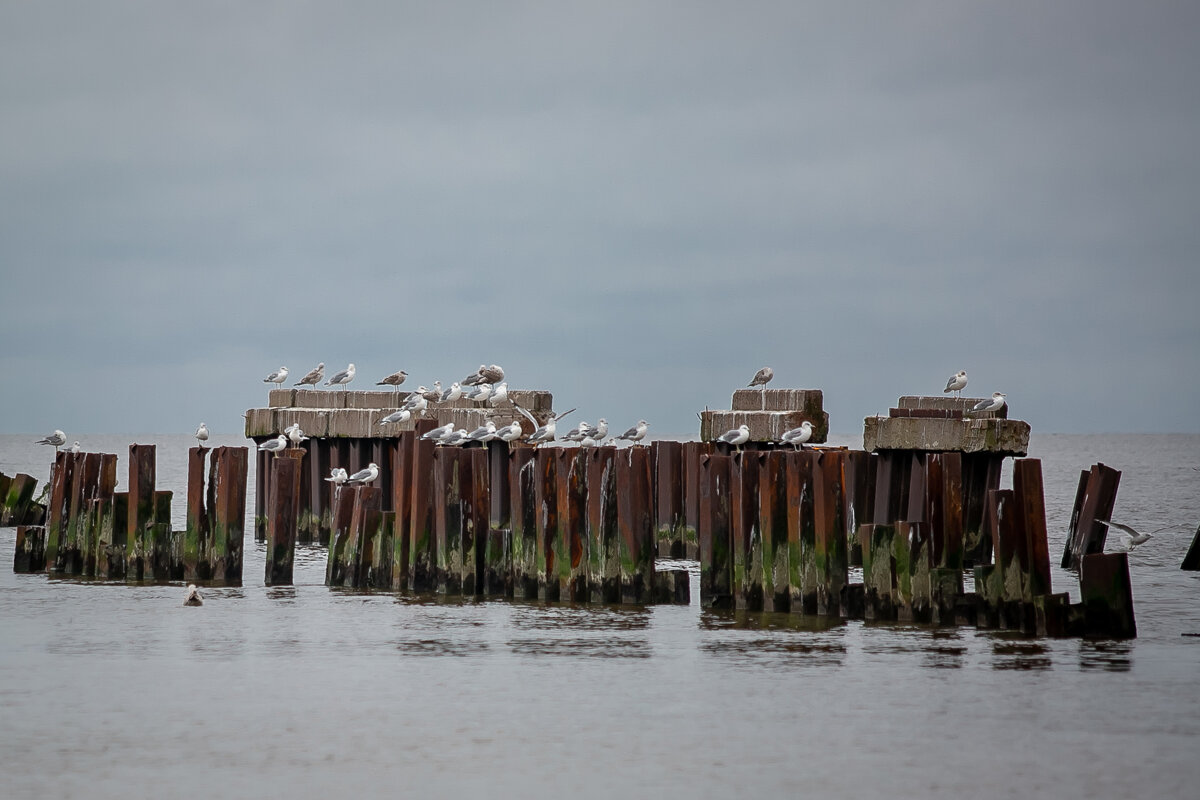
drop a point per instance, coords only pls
(403, 415)
(57, 439)
(276, 445)
(75, 448)
(480, 393)
(438, 432)
(600, 430)
(636, 433)
(453, 438)
(1132, 537)
(995, 404)
(277, 377)
(337, 476)
(365, 476)
(957, 382)
(510, 432)
(313, 377)
(342, 378)
(193, 598)
(295, 435)
(499, 394)
(202, 434)
(416, 401)
(798, 436)
(542, 433)
(736, 437)
(453, 393)
(484, 433)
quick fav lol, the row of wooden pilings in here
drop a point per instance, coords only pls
(94, 531)
(17, 504)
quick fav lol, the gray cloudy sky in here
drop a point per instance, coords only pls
(635, 205)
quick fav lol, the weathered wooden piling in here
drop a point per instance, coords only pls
(422, 563)
(377, 561)
(1094, 501)
(365, 519)
(110, 549)
(692, 453)
(17, 506)
(283, 511)
(450, 491)
(773, 527)
(635, 522)
(228, 478)
(139, 537)
(545, 492)
(477, 512)
(571, 545)
(198, 527)
(604, 570)
(802, 535)
(746, 553)
(1107, 595)
(669, 513)
(165, 551)
(912, 553)
(58, 512)
(498, 547)
(339, 536)
(402, 458)
(981, 474)
(1031, 511)
(879, 571)
(831, 553)
(30, 552)
(523, 509)
(716, 541)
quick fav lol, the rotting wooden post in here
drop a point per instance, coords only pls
(604, 570)
(859, 480)
(228, 475)
(916, 585)
(379, 571)
(165, 560)
(17, 506)
(668, 481)
(364, 522)
(635, 521)
(283, 511)
(110, 549)
(402, 506)
(773, 523)
(802, 564)
(448, 520)
(308, 520)
(197, 533)
(262, 488)
(989, 578)
(498, 555)
(476, 513)
(571, 539)
(831, 560)
(339, 535)
(747, 536)
(879, 571)
(951, 537)
(1050, 613)
(716, 539)
(546, 502)
(138, 550)
(83, 486)
(981, 474)
(1031, 511)
(1107, 595)
(422, 563)
(56, 512)
(30, 552)
(523, 506)
(692, 453)
(320, 498)
(1087, 536)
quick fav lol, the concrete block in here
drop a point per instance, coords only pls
(1008, 437)
(807, 400)
(950, 403)
(765, 426)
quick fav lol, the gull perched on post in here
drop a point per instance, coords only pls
(313, 376)
(337, 476)
(295, 435)
(510, 432)
(577, 434)
(736, 437)
(984, 406)
(75, 448)
(403, 415)
(276, 445)
(342, 378)
(202, 434)
(57, 439)
(637, 432)
(365, 476)
(453, 393)
(762, 378)
(541, 433)
(957, 382)
(798, 436)
(277, 377)
(438, 432)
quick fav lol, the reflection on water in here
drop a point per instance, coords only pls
(778, 652)
(1024, 655)
(723, 619)
(283, 593)
(1105, 655)
(442, 647)
(588, 618)
(946, 650)
(582, 648)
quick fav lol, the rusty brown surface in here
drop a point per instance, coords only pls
(802, 581)
(523, 522)
(571, 539)
(1098, 502)
(635, 524)
(1031, 512)
(283, 508)
(545, 494)
(422, 563)
(716, 540)
(343, 515)
(604, 573)
(668, 495)
(831, 546)
(402, 506)
(747, 536)
(773, 524)
(141, 510)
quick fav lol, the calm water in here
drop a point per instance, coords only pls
(118, 691)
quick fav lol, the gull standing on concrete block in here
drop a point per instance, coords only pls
(57, 439)
(276, 445)
(798, 436)
(736, 437)
(403, 415)
(365, 476)
(636, 433)
(984, 406)
(416, 401)
(277, 377)
(957, 382)
(395, 379)
(342, 378)
(499, 394)
(762, 378)
(313, 377)
(453, 393)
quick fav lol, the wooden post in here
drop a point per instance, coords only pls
(951, 554)
(604, 569)
(165, 554)
(635, 521)
(139, 538)
(523, 504)
(57, 511)
(832, 563)
(379, 571)
(498, 554)
(30, 552)
(475, 544)
(747, 537)
(859, 480)
(546, 503)
(802, 535)
(1107, 595)
(981, 474)
(339, 535)
(262, 488)
(692, 453)
(716, 539)
(448, 523)
(879, 571)
(82, 489)
(668, 481)
(1031, 511)
(308, 520)
(365, 516)
(773, 522)
(912, 558)
(320, 494)
(422, 564)
(110, 549)
(1088, 535)
(402, 505)
(571, 540)
(283, 511)
(228, 473)
(197, 533)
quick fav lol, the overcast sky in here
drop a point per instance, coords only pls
(634, 205)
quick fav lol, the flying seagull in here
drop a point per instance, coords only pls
(342, 378)
(1132, 537)
(995, 404)
(313, 376)
(277, 377)
(365, 476)
(957, 383)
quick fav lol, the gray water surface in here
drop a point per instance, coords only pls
(119, 691)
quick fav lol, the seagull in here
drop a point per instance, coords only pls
(276, 445)
(636, 433)
(798, 436)
(342, 378)
(403, 415)
(541, 433)
(957, 382)
(453, 438)
(736, 437)
(416, 401)
(395, 379)
(476, 377)
(499, 394)
(202, 434)
(58, 439)
(75, 448)
(1132, 538)
(995, 404)
(762, 378)
(313, 377)
(434, 394)
(453, 393)
(601, 429)
(365, 476)
(510, 432)
(484, 433)
(481, 393)
(295, 435)
(277, 377)
(194, 598)
(577, 434)
(493, 373)
(438, 432)
(337, 476)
